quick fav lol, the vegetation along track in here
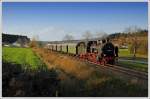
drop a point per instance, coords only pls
(129, 73)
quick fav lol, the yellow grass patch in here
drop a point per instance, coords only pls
(66, 63)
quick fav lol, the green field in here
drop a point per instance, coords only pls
(124, 53)
(134, 65)
(22, 56)
(22, 70)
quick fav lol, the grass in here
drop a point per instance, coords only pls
(126, 53)
(81, 79)
(25, 83)
(114, 87)
(77, 79)
(69, 65)
(134, 65)
(25, 75)
(23, 56)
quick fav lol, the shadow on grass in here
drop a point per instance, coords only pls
(45, 83)
(27, 83)
(112, 87)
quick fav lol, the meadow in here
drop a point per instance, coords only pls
(139, 63)
(38, 72)
(126, 53)
(82, 79)
(24, 74)
(23, 56)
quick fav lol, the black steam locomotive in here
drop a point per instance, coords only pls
(98, 51)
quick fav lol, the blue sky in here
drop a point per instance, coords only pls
(52, 21)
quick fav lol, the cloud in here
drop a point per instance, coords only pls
(50, 33)
(51, 29)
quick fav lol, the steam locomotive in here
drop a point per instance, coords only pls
(93, 51)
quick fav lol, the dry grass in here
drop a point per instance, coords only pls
(67, 64)
(78, 79)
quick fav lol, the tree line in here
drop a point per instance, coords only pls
(134, 37)
(9, 38)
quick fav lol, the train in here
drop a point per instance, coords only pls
(85, 50)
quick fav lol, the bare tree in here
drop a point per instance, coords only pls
(33, 42)
(132, 29)
(68, 37)
(135, 44)
(101, 34)
(87, 35)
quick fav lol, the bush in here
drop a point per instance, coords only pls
(18, 82)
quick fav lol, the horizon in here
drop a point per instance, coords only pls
(73, 39)
(51, 21)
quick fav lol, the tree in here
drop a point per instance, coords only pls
(135, 43)
(101, 34)
(68, 37)
(33, 43)
(132, 29)
(87, 35)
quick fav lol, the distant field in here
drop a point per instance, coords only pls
(126, 53)
(122, 52)
(134, 65)
(23, 56)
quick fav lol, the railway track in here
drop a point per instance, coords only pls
(130, 73)
(126, 71)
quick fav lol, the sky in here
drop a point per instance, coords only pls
(51, 21)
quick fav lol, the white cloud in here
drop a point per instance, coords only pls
(50, 33)
(51, 29)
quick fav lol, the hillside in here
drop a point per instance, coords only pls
(9, 38)
(137, 43)
(15, 40)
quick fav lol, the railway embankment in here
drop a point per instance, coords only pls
(88, 74)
